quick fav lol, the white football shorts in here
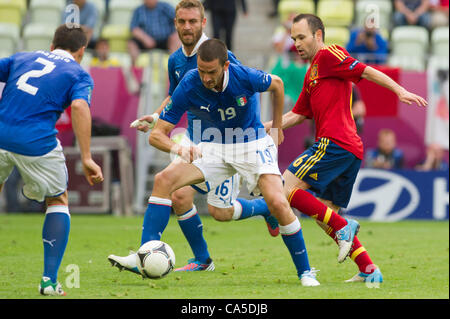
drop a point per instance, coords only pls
(43, 176)
(224, 195)
(250, 160)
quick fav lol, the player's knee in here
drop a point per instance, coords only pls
(163, 181)
(278, 206)
(62, 199)
(220, 214)
(180, 202)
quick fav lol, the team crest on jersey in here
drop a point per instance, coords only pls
(241, 100)
(314, 74)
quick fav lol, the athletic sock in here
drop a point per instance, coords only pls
(311, 206)
(156, 218)
(55, 235)
(361, 257)
(358, 254)
(293, 239)
(244, 208)
(192, 228)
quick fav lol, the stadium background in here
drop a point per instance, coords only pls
(122, 93)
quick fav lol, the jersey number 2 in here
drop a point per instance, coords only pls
(22, 82)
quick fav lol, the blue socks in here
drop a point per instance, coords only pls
(55, 235)
(244, 208)
(192, 228)
(156, 218)
(293, 238)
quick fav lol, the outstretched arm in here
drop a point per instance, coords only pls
(289, 119)
(147, 122)
(382, 79)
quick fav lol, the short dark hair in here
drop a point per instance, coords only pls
(213, 49)
(71, 39)
(314, 22)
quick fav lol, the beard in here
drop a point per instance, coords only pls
(195, 36)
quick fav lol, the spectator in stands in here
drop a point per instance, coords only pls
(101, 55)
(434, 160)
(282, 40)
(223, 14)
(88, 19)
(274, 12)
(439, 13)
(386, 155)
(152, 27)
(412, 12)
(367, 45)
(358, 110)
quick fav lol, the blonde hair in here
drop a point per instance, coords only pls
(189, 4)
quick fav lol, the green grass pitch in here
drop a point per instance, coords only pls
(413, 256)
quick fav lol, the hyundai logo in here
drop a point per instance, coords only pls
(385, 196)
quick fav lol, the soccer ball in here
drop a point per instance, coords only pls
(155, 259)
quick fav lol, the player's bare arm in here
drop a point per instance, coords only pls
(147, 122)
(81, 122)
(290, 119)
(159, 138)
(382, 79)
(277, 89)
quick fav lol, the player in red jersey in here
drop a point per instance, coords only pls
(330, 166)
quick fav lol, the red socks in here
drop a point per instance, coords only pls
(358, 254)
(311, 206)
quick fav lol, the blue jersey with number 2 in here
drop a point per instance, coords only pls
(39, 87)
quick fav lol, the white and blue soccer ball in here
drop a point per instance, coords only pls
(155, 259)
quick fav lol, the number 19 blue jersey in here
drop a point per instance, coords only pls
(39, 87)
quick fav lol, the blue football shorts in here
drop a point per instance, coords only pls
(329, 169)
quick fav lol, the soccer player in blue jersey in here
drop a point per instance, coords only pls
(223, 204)
(231, 140)
(39, 87)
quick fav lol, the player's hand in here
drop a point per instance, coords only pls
(267, 126)
(277, 135)
(189, 153)
(92, 172)
(410, 98)
(145, 123)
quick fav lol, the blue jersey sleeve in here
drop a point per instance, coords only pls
(5, 64)
(172, 78)
(82, 89)
(177, 106)
(259, 80)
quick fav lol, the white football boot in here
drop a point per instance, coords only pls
(127, 263)
(308, 278)
(47, 288)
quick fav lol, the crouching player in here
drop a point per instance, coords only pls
(219, 94)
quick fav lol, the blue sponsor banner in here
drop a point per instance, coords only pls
(384, 195)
